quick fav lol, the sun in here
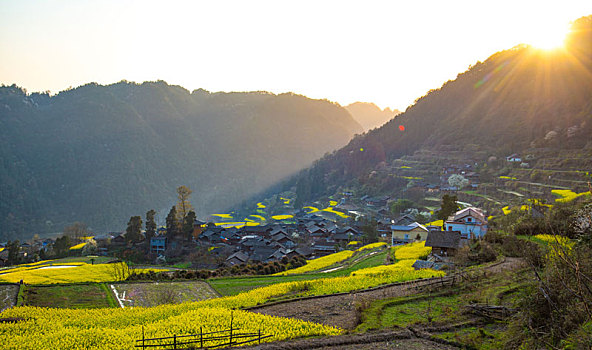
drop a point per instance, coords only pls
(549, 36)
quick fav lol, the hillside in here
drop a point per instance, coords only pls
(100, 154)
(517, 100)
(369, 115)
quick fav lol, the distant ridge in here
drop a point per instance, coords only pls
(100, 154)
(369, 115)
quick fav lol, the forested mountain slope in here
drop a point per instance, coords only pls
(100, 154)
(517, 99)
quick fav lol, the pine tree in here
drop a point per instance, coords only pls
(188, 225)
(150, 224)
(449, 207)
(133, 232)
(172, 225)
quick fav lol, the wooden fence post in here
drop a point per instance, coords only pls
(174, 341)
(200, 337)
(143, 347)
(231, 318)
(259, 335)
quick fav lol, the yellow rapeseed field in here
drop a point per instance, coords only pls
(116, 329)
(414, 251)
(320, 263)
(60, 273)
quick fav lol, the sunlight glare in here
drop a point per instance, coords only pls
(551, 36)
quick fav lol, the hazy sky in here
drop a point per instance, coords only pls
(387, 52)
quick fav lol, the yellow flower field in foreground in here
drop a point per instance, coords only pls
(119, 328)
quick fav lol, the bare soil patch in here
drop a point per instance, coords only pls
(8, 293)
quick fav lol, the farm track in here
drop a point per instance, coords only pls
(8, 293)
(340, 310)
(399, 339)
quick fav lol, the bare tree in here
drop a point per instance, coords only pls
(183, 204)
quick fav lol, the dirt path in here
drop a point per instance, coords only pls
(340, 310)
(400, 339)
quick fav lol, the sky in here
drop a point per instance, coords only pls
(386, 52)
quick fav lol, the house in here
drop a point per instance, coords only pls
(322, 250)
(237, 258)
(470, 222)
(444, 243)
(408, 233)
(514, 158)
(198, 228)
(406, 219)
(102, 240)
(158, 244)
(118, 240)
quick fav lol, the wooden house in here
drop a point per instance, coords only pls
(444, 243)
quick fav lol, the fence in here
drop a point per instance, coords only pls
(208, 340)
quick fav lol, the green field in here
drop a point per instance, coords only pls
(77, 296)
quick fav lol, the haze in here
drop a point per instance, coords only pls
(384, 52)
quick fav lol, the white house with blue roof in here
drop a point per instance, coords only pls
(470, 222)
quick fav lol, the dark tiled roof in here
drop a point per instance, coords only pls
(443, 239)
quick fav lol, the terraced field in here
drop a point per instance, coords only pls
(159, 293)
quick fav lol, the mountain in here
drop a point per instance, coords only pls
(100, 154)
(517, 99)
(369, 115)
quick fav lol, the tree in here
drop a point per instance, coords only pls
(133, 232)
(188, 224)
(172, 224)
(183, 204)
(13, 252)
(150, 224)
(449, 207)
(89, 248)
(457, 181)
(400, 206)
(62, 245)
(76, 231)
(370, 231)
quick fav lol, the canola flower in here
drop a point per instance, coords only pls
(568, 195)
(261, 205)
(261, 218)
(338, 213)
(46, 328)
(319, 263)
(285, 200)
(405, 167)
(558, 245)
(436, 223)
(371, 246)
(60, 273)
(506, 210)
(78, 246)
(311, 209)
(414, 251)
(332, 203)
(282, 217)
(507, 177)
(223, 216)
(354, 243)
